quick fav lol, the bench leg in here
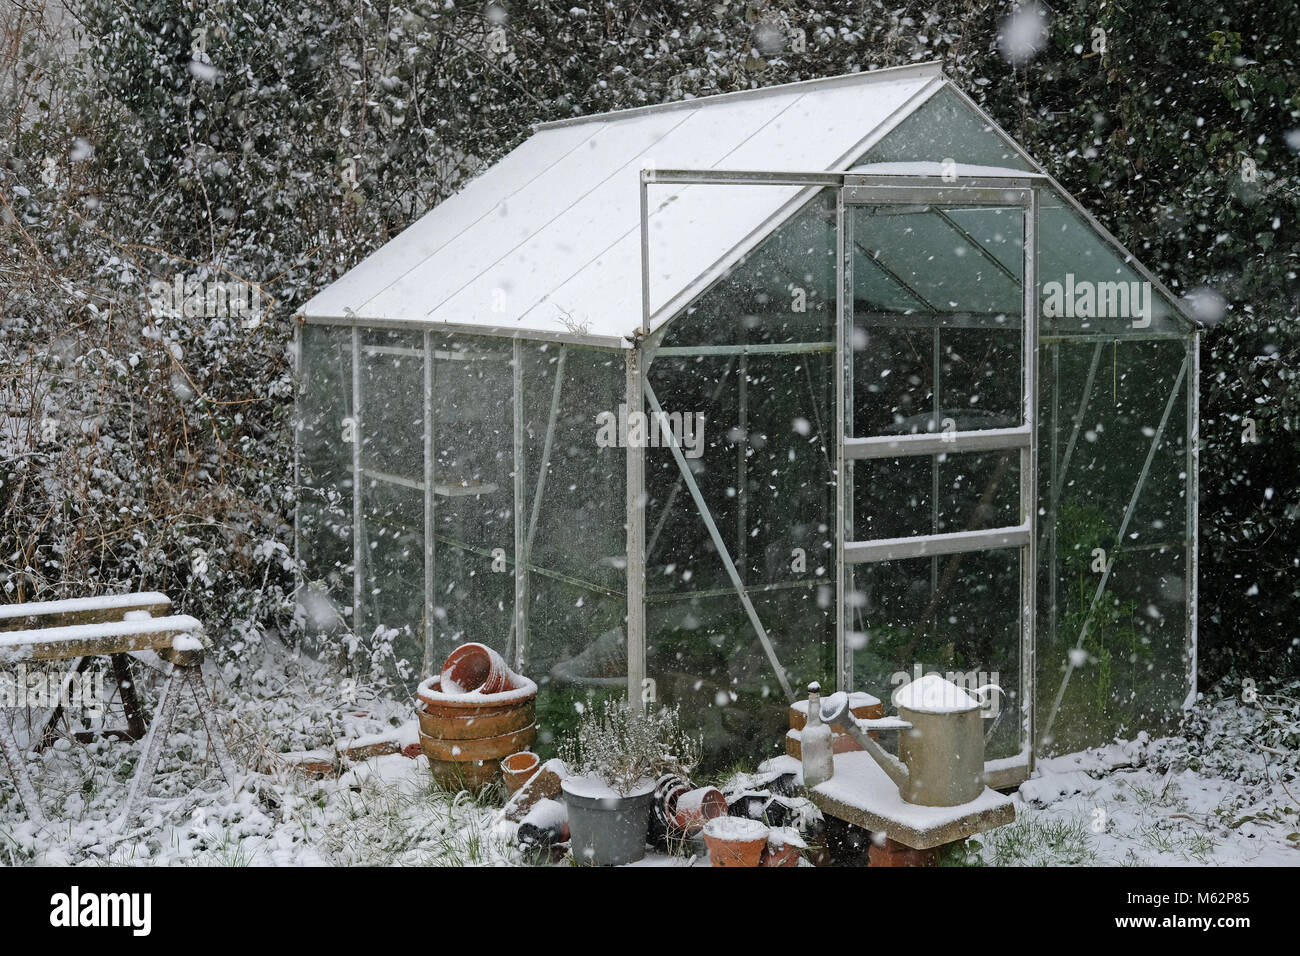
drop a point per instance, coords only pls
(161, 728)
(17, 762)
(136, 725)
(154, 742)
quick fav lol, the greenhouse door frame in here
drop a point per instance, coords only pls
(852, 190)
(920, 194)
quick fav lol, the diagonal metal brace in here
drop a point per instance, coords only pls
(718, 543)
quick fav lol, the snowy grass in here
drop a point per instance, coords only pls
(1220, 794)
(386, 810)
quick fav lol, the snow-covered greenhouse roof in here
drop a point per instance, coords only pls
(546, 243)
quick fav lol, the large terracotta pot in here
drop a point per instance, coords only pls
(465, 736)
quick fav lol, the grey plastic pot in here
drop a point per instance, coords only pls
(608, 830)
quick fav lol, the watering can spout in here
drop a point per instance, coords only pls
(840, 713)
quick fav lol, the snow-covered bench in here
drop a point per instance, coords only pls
(114, 625)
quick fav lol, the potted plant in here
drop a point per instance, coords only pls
(613, 759)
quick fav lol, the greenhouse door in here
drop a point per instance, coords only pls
(934, 392)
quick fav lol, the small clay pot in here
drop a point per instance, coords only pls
(475, 667)
(695, 808)
(663, 811)
(784, 848)
(780, 856)
(735, 841)
(518, 769)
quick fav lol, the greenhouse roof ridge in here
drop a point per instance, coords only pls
(928, 69)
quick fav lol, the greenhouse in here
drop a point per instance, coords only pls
(698, 403)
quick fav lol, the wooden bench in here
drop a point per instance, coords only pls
(84, 628)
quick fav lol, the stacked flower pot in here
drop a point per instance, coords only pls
(863, 706)
(472, 715)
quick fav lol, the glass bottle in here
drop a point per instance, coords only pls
(815, 742)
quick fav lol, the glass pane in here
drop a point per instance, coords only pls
(474, 535)
(782, 291)
(763, 464)
(1111, 648)
(1086, 287)
(324, 525)
(392, 524)
(949, 266)
(944, 128)
(956, 615)
(953, 361)
(935, 494)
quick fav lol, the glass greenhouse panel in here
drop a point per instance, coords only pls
(945, 128)
(573, 531)
(1113, 595)
(952, 362)
(764, 473)
(1086, 286)
(473, 503)
(752, 361)
(936, 494)
(957, 616)
(391, 366)
(324, 449)
(782, 291)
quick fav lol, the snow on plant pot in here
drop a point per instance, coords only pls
(697, 807)
(735, 841)
(614, 759)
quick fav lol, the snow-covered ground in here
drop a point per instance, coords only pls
(1222, 794)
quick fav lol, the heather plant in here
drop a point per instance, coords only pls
(624, 747)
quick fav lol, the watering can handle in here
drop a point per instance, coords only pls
(978, 692)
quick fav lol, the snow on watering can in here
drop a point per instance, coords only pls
(940, 740)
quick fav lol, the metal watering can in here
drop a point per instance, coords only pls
(940, 740)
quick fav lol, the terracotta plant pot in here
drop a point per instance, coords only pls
(735, 841)
(482, 748)
(784, 847)
(697, 807)
(488, 722)
(438, 704)
(518, 769)
(475, 667)
(472, 775)
(465, 736)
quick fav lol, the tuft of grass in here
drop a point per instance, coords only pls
(416, 825)
(1031, 841)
